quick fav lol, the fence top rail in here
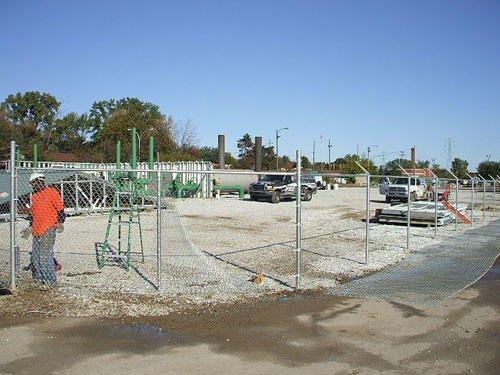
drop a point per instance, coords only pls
(77, 164)
(335, 174)
(192, 171)
(392, 176)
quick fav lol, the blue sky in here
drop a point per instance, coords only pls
(391, 73)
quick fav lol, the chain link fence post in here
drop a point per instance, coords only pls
(472, 201)
(456, 197)
(436, 195)
(408, 216)
(158, 229)
(494, 196)
(367, 218)
(367, 244)
(13, 215)
(298, 221)
(456, 203)
(484, 197)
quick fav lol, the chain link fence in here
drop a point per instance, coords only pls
(96, 231)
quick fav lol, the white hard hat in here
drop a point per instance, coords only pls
(36, 175)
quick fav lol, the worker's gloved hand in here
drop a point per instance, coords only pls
(25, 233)
(60, 228)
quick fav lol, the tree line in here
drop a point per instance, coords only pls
(36, 117)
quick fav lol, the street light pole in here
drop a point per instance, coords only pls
(277, 150)
(369, 149)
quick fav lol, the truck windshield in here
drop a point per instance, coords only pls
(271, 178)
(401, 181)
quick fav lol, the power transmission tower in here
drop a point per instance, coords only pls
(449, 143)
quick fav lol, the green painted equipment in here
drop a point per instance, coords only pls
(231, 188)
(125, 211)
(188, 189)
(124, 214)
(178, 189)
(35, 155)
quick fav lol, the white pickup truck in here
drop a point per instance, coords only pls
(398, 190)
(384, 183)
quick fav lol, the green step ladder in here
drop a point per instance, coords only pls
(124, 214)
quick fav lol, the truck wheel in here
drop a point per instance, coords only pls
(307, 196)
(276, 197)
(413, 196)
(253, 197)
(387, 199)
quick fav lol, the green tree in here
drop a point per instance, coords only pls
(212, 154)
(305, 163)
(286, 163)
(7, 134)
(72, 132)
(460, 167)
(392, 166)
(112, 120)
(347, 164)
(268, 158)
(34, 114)
(489, 168)
(423, 164)
(246, 152)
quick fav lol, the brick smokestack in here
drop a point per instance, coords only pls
(413, 158)
(258, 154)
(222, 151)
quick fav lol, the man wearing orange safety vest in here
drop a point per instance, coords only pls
(47, 217)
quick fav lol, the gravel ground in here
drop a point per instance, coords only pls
(212, 249)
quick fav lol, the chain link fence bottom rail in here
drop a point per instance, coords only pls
(436, 273)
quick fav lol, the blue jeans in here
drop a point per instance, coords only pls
(42, 258)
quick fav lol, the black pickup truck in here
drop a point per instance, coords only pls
(278, 187)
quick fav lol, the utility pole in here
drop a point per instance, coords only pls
(321, 149)
(314, 153)
(330, 154)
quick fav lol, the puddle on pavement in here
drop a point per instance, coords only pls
(289, 298)
(493, 274)
(138, 332)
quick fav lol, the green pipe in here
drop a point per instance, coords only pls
(35, 155)
(118, 155)
(188, 187)
(151, 160)
(133, 152)
(18, 156)
(238, 188)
